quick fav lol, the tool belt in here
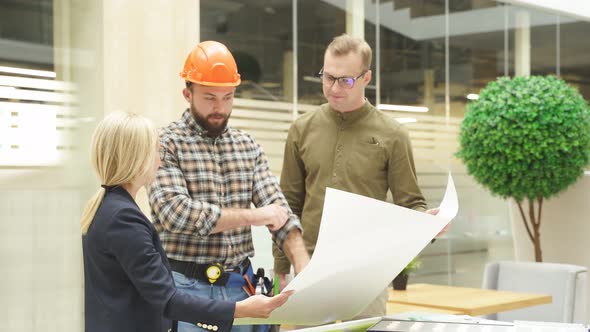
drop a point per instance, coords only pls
(213, 273)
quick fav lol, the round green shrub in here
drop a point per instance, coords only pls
(526, 137)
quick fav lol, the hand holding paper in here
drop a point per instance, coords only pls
(363, 243)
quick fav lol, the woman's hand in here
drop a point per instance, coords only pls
(260, 306)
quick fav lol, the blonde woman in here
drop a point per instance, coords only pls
(128, 281)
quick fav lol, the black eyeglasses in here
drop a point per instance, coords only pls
(344, 82)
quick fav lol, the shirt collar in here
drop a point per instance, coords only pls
(352, 116)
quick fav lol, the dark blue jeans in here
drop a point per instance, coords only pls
(204, 289)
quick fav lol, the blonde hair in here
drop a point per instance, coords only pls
(344, 44)
(123, 148)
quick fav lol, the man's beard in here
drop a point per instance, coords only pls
(210, 130)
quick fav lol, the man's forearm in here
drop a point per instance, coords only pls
(233, 218)
(294, 248)
(273, 216)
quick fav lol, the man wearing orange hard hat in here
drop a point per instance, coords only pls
(210, 175)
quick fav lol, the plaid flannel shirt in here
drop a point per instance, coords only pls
(202, 175)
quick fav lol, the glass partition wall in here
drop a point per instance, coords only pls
(89, 58)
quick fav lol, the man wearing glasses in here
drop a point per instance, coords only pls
(349, 145)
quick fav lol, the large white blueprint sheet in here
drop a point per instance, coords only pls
(362, 244)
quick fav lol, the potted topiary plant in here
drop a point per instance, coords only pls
(526, 138)
(400, 282)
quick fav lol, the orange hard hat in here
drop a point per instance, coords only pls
(212, 64)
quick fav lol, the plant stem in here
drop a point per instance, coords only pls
(524, 220)
(537, 235)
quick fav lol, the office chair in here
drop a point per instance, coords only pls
(567, 284)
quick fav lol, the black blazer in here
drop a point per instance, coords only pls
(128, 283)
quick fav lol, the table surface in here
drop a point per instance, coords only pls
(398, 308)
(463, 300)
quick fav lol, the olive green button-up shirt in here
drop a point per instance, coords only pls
(365, 152)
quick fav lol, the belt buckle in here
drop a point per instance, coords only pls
(213, 272)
